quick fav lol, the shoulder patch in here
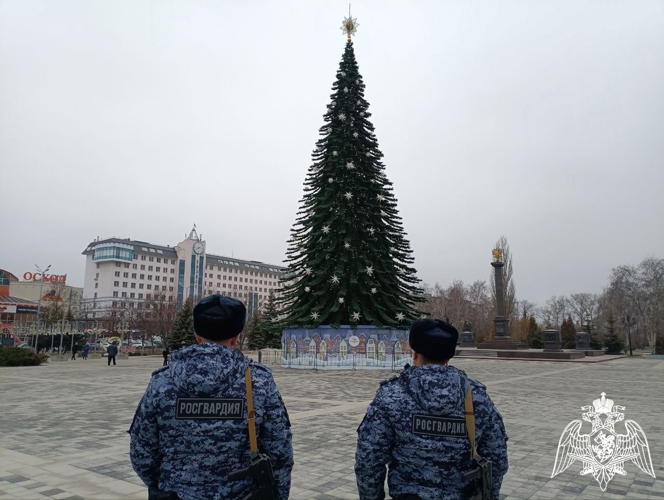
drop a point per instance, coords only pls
(159, 370)
(258, 367)
(477, 385)
(389, 380)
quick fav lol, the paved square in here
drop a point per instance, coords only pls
(63, 426)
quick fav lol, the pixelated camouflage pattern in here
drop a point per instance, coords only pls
(428, 466)
(193, 457)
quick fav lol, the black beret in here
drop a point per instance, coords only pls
(217, 317)
(433, 338)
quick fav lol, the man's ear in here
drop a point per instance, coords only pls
(199, 339)
(234, 340)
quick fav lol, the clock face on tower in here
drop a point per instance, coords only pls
(198, 248)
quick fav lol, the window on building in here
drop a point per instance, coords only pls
(125, 275)
(381, 351)
(142, 257)
(235, 278)
(158, 260)
(142, 276)
(151, 259)
(170, 289)
(173, 262)
(312, 347)
(149, 287)
(163, 288)
(140, 295)
(115, 294)
(156, 278)
(96, 285)
(117, 274)
(133, 285)
(97, 266)
(397, 351)
(140, 286)
(134, 266)
(118, 264)
(322, 349)
(126, 266)
(371, 349)
(115, 304)
(142, 267)
(158, 269)
(149, 268)
(116, 283)
(343, 349)
(124, 294)
(133, 276)
(173, 271)
(124, 284)
(172, 280)
(149, 277)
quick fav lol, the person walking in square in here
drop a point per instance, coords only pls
(86, 350)
(196, 422)
(74, 350)
(112, 352)
(165, 354)
(417, 426)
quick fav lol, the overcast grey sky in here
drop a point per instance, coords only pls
(539, 120)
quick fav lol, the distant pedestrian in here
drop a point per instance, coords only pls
(86, 350)
(112, 352)
(74, 348)
(165, 354)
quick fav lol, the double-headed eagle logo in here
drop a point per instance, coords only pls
(603, 451)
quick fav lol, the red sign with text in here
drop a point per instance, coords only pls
(51, 278)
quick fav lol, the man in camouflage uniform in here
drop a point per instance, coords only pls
(425, 462)
(188, 446)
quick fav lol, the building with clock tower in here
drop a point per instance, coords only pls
(124, 277)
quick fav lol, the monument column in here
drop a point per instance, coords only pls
(502, 339)
(501, 321)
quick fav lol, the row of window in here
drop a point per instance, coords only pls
(152, 259)
(343, 349)
(116, 284)
(241, 271)
(246, 280)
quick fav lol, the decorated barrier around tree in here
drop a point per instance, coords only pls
(366, 347)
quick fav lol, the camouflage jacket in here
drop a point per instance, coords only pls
(425, 462)
(193, 456)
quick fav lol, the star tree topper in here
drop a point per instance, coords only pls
(349, 25)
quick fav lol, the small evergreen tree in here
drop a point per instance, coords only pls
(183, 328)
(255, 332)
(534, 334)
(595, 343)
(612, 341)
(568, 333)
(272, 326)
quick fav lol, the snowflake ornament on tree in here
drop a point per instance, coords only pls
(326, 229)
(350, 165)
(315, 315)
(356, 316)
(335, 279)
(401, 317)
(348, 195)
(341, 300)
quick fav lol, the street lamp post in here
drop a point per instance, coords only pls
(41, 288)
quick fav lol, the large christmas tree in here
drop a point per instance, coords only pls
(349, 261)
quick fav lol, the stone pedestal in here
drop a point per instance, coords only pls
(582, 341)
(467, 339)
(552, 341)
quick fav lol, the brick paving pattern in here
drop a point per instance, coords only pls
(63, 426)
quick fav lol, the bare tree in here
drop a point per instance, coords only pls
(553, 312)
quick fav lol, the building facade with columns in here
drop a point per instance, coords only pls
(125, 274)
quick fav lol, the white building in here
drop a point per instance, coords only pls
(123, 274)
